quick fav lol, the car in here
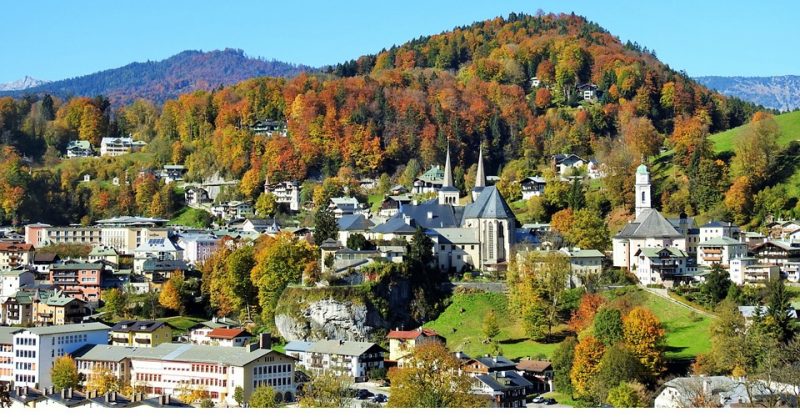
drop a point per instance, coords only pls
(380, 398)
(550, 401)
(538, 400)
(363, 394)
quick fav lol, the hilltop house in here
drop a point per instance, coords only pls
(403, 342)
(79, 149)
(119, 146)
(532, 187)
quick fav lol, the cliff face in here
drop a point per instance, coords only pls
(346, 313)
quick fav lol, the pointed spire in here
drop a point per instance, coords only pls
(480, 176)
(448, 171)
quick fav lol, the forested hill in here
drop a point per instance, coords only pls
(779, 93)
(522, 87)
(158, 81)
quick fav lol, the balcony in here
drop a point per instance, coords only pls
(142, 341)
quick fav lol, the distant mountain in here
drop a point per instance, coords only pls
(21, 84)
(162, 80)
(780, 93)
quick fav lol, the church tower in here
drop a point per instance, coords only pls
(480, 178)
(448, 194)
(642, 189)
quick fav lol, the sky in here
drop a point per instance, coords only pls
(56, 39)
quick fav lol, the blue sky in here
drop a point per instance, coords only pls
(50, 39)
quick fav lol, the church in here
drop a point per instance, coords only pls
(476, 236)
(653, 248)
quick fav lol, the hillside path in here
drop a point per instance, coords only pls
(661, 292)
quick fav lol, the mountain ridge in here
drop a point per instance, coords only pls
(165, 79)
(22, 84)
(779, 92)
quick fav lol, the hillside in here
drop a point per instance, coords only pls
(779, 93)
(788, 122)
(166, 79)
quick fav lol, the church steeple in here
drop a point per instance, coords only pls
(448, 194)
(480, 177)
(642, 195)
(448, 170)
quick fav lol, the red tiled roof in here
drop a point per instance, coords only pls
(223, 333)
(15, 247)
(411, 334)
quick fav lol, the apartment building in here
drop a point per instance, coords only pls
(119, 146)
(286, 192)
(197, 247)
(14, 255)
(54, 308)
(7, 354)
(92, 359)
(344, 358)
(719, 250)
(13, 281)
(78, 279)
(143, 333)
(35, 349)
(160, 249)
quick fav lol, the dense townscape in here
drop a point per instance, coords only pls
(523, 212)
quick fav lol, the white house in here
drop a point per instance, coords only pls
(719, 251)
(285, 192)
(12, 281)
(660, 265)
(161, 249)
(532, 187)
(716, 229)
(343, 206)
(748, 270)
(119, 146)
(79, 149)
(197, 247)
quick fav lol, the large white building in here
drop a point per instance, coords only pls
(344, 358)
(35, 349)
(286, 192)
(119, 146)
(640, 245)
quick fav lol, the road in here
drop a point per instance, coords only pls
(663, 293)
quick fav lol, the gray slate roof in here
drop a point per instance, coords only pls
(354, 222)
(223, 355)
(394, 225)
(104, 353)
(128, 326)
(442, 215)
(489, 205)
(66, 328)
(346, 348)
(650, 223)
(297, 346)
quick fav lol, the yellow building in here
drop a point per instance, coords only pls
(146, 333)
(56, 309)
(403, 342)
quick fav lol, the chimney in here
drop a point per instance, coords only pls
(265, 340)
(114, 396)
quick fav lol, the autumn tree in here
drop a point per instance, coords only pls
(103, 380)
(326, 390)
(266, 205)
(588, 230)
(432, 378)
(490, 326)
(617, 365)
(562, 222)
(739, 199)
(64, 373)
(643, 335)
(689, 137)
(588, 354)
(263, 397)
(562, 360)
(588, 307)
(537, 283)
(641, 136)
(115, 302)
(171, 295)
(756, 149)
(628, 395)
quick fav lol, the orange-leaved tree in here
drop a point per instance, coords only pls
(588, 353)
(643, 335)
(583, 316)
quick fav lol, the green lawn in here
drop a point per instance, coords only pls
(461, 323)
(374, 201)
(191, 217)
(687, 332)
(181, 324)
(463, 330)
(788, 122)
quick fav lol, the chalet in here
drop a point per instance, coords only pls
(429, 182)
(120, 146)
(782, 229)
(539, 373)
(661, 265)
(345, 358)
(14, 255)
(568, 165)
(391, 205)
(233, 210)
(719, 251)
(343, 206)
(588, 91)
(269, 127)
(54, 308)
(172, 173)
(535, 82)
(17, 309)
(402, 342)
(42, 262)
(195, 196)
(79, 149)
(532, 187)
(234, 337)
(777, 252)
(143, 333)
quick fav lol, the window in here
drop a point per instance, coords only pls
(642, 196)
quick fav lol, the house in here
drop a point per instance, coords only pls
(35, 349)
(777, 252)
(485, 364)
(539, 373)
(233, 210)
(285, 192)
(269, 127)
(391, 204)
(17, 309)
(159, 271)
(400, 226)
(568, 165)
(398, 190)
(198, 334)
(718, 391)
(747, 270)
(719, 251)
(344, 358)
(535, 82)
(429, 182)
(343, 206)
(505, 389)
(195, 196)
(161, 249)
(42, 262)
(532, 187)
(782, 229)
(352, 224)
(172, 173)
(143, 333)
(119, 146)
(54, 308)
(588, 91)
(749, 312)
(716, 229)
(403, 342)
(13, 281)
(235, 337)
(14, 255)
(661, 265)
(78, 279)
(79, 149)
(584, 263)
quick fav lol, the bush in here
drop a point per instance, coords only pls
(207, 403)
